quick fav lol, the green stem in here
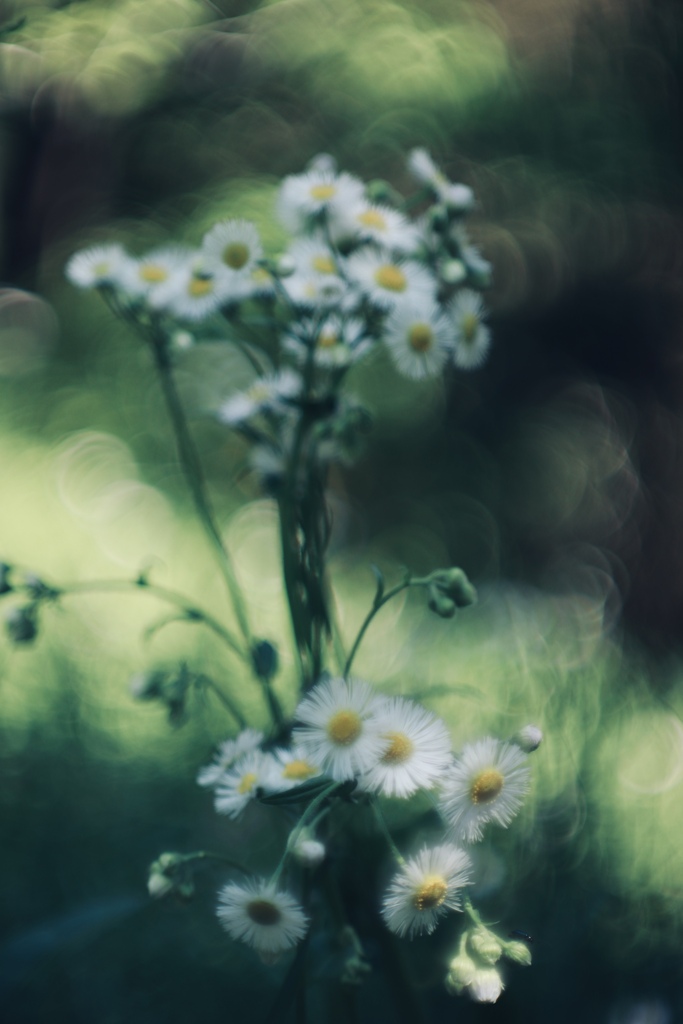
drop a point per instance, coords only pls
(226, 702)
(301, 825)
(194, 476)
(386, 833)
(378, 603)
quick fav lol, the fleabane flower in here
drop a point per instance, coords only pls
(232, 247)
(471, 336)
(319, 190)
(338, 341)
(314, 290)
(194, 292)
(264, 395)
(97, 266)
(148, 272)
(257, 913)
(338, 727)
(238, 785)
(459, 198)
(417, 750)
(418, 337)
(374, 222)
(226, 755)
(487, 783)
(290, 768)
(387, 281)
(425, 888)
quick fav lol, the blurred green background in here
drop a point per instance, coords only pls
(552, 476)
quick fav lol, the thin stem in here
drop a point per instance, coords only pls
(303, 821)
(209, 855)
(226, 702)
(194, 475)
(386, 833)
(370, 616)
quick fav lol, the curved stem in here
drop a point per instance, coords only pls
(378, 603)
(379, 817)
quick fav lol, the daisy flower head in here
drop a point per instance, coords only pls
(97, 266)
(312, 257)
(143, 275)
(227, 754)
(194, 292)
(338, 727)
(487, 783)
(290, 768)
(338, 341)
(238, 785)
(387, 281)
(426, 886)
(418, 337)
(312, 290)
(303, 197)
(264, 395)
(258, 914)
(373, 222)
(233, 247)
(417, 750)
(472, 336)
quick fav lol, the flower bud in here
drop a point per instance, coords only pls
(486, 985)
(438, 217)
(529, 738)
(21, 624)
(309, 852)
(285, 266)
(5, 585)
(456, 197)
(147, 685)
(439, 603)
(485, 945)
(323, 163)
(461, 971)
(264, 658)
(518, 952)
(455, 585)
(453, 272)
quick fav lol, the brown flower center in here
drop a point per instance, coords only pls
(235, 255)
(264, 912)
(420, 337)
(470, 326)
(486, 786)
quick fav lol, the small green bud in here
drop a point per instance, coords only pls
(439, 603)
(264, 658)
(379, 191)
(485, 945)
(455, 584)
(22, 624)
(5, 585)
(518, 952)
(438, 217)
(171, 872)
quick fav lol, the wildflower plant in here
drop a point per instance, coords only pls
(359, 274)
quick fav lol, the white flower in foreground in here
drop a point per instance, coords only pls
(261, 916)
(338, 727)
(417, 750)
(472, 336)
(97, 266)
(232, 246)
(227, 754)
(387, 281)
(373, 222)
(265, 394)
(290, 768)
(426, 886)
(238, 785)
(149, 272)
(303, 196)
(487, 783)
(419, 339)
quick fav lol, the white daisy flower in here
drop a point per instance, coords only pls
(426, 887)
(472, 336)
(290, 768)
(379, 224)
(232, 246)
(97, 266)
(265, 394)
(193, 293)
(457, 197)
(339, 729)
(260, 915)
(487, 783)
(339, 341)
(387, 282)
(238, 785)
(314, 290)
(418, 337)
(417, 752)
(227, 754)
(149, 272)
(304, 196)
(312, 257)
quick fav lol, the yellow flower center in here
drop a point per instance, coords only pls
(344, 727)
(323, 264)
(247, 783)
(260, 276)
(299, 770)
(152, 273)
(235, 255)
(420, 337)
(431, 893)
(391, 277)
(323, 192)
(486, 786)
(263, 912)
(469, 326)
(199, 287)
(327, 340)
(372, 219)
(400, 748)
(101, 269)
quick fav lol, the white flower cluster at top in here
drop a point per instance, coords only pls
(357, 274)
(389, 746)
